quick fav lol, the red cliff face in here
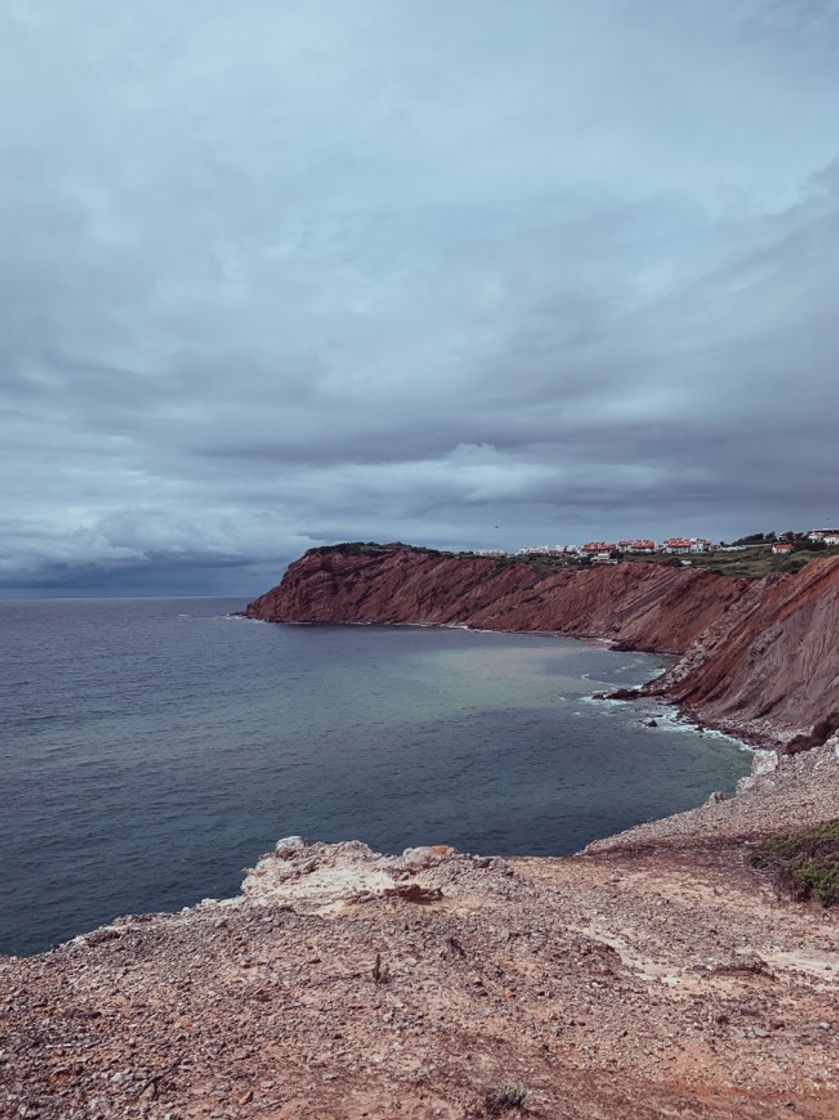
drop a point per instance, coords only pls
(645, 606)
(760, 657)
(768, 669)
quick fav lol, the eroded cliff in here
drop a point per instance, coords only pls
(769, 667)
(645, 606)
(759, 656)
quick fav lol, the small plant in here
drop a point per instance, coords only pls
(511, 1096)
(515, 1095)
(381, 972)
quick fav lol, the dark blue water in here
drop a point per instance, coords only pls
(150, 749)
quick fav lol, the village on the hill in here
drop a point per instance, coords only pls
(605, 552)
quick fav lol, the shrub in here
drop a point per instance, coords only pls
(807, 863)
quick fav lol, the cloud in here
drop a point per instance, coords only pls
(275, 275)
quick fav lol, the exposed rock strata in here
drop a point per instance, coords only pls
(769, 667)
(760, 658)
(645, 606)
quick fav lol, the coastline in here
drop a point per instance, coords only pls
(656, 973)
(756, 658)
(681, 715)
(669, 720)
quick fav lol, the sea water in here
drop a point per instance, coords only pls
(150, 749)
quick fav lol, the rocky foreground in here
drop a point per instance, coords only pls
(657, 974)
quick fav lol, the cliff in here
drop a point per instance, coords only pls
(768, 669)
(759, 656)
(643, 606)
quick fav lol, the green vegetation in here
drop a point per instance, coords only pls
(373, 548)
(515, 1095)
(795, 561)
(510, 1097)
(541, 563)
(751, 562)
(807, 863)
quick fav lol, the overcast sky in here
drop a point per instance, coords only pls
(277, 273)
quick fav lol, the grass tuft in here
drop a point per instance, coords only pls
(511, 1096)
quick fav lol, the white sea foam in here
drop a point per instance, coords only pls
(672, 721)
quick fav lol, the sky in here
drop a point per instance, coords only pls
(497, 273)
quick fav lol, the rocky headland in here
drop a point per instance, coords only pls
(758, 658)
(663, 972)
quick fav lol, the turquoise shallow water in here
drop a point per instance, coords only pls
(152, 748)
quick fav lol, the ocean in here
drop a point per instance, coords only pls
(152, 748)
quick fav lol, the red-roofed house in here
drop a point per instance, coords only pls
(637, 546)
(677, 545)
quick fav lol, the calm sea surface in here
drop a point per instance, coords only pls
(150, 749)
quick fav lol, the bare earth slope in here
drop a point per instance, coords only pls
(656, 975)
(760, 657)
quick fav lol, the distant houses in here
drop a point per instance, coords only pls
(638, 546)
(542, 550)
(827, 536)
(679, 546)
(602, 552)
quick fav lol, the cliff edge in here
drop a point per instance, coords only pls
(643, 606)
(659, 974)
(759, 658)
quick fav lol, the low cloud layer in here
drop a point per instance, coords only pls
(487, 273)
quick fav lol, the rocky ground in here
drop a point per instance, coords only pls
(655, 975)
